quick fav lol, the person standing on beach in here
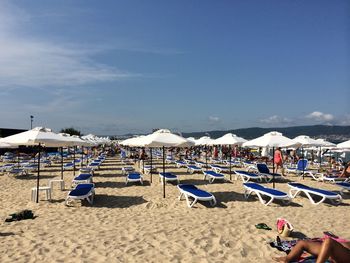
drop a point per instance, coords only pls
(278, 159)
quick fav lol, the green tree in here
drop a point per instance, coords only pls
(71, 131)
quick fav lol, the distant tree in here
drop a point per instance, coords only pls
(71, 131)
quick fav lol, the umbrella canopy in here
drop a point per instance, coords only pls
(344, 145)
(205, 140)
(191, 139)
(7, 145)
(164, 138)
(306, 141)
(133, 142)
(228, 139)
(324, 143)
(74, 140)
(271, 139)
(36, 136)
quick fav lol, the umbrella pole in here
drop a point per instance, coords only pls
(273, 167)
(229, 148)
(37, 179)
(164, 172)
(82, 156)
(206, 157)
(143, 160)
(74, 161)
(319, 159)
(62, 163)
(302, 154)
(151, 164)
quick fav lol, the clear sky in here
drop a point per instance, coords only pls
(113, 67)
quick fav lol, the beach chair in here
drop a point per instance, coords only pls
(168, 177)
(192, 192)
(213, 176)
(329, 178)
(81, 192)
(193, 168)
(68, 166)
(6, 167)
(344, 185)
(17, 171)
(264, 171)
(247, 176)
(134, 177)
(127, 169)
(297, 188)
(301, 166)
(180, 163)
(147, 169)
(260, 191)
(82, 179)
(218, 168)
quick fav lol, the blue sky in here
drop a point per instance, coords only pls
(113, 67)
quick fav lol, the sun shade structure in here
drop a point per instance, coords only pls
(38, 136)
(272, 139)
(163, 138)
(344, 145)
(7, 145)
(230, 140)
(205, 140)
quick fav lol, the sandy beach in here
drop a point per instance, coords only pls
(135, 223)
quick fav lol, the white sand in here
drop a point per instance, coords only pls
(135, 224)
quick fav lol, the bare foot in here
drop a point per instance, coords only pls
(280, 259)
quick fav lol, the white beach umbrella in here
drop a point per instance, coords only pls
(231, 140)
(344, 145)
(205, 140)
(7, 145)
(191, 139)
(38, 136)
(323, 143)
(164, 138)
(228, 139)
(272, 139)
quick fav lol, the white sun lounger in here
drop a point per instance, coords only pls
(81, 192)
(193, 168)
(127, 169)
(134, 177)
(247, 176)
(213, 176)
(260, 191)
(297, 188)
(167, 177)
(344, 185)
(191, 191)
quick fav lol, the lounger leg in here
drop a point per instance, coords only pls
(262, 200)
(193, 203)
(267, 203)
(180, 196)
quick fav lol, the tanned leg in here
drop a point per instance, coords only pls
(313, 248)
(335, 250)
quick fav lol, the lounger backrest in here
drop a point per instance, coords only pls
(262, 168)
(302, 164)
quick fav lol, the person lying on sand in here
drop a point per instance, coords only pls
(328, 249)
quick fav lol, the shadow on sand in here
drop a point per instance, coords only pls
(112, 201)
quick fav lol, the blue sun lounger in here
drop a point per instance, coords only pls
(344, 185)
(193, 168)
(81, 192)
(180, 163)
(82, 179)
(297, 188)
(264, 171)
(213, 176)
(127, 169)
(191, 191)
(168, 177)
(260, 191)
(218, 168)
(247, 176)
(134, 177)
